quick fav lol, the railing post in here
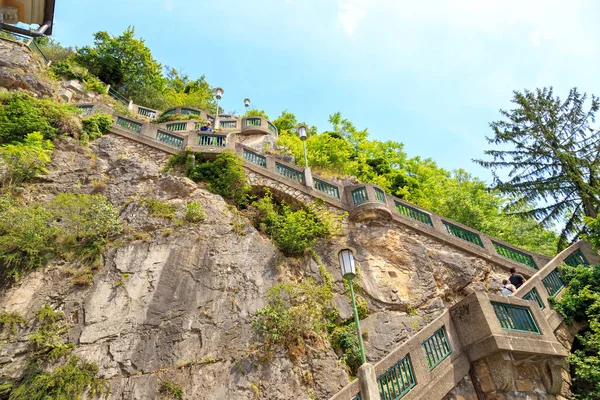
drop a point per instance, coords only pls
(368, 382)
(308, 180)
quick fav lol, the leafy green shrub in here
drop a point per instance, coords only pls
(21, 114)
(194, 212)
(581, 302)
(159, 209)
(73, 226)
(48, 339)
(295, 313)
(95, 126)
(344, 341)
(293, 230)
(85, 223)
(69, 69)
(22, 161)
(170, 390)
(225, 176)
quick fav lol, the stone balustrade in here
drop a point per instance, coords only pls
(363, 202)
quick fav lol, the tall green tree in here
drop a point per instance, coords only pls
(181, 90)
(124, 62)
(552, 155)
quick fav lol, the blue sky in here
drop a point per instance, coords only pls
(431, 74)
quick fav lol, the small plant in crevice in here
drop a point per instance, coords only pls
(9, 322)
(194, 212)
(159, 208)
(170, 390)
(95, 126)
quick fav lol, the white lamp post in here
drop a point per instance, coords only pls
(246, 102)
(302, 132)
(346, 258)
(218, 94)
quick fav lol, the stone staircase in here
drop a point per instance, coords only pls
(449, 348)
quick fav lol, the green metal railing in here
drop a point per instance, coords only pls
(212, 140)
(357, 397)
(177, 127)
(514, 255)
(86, 110)
(326, 188)
(187, 111)
(253, 122)
(118, 96)
(379, 195)
(463, 234)
(533, 295)
(436, 348)
(255, 158)
(169, 112)
(553, 282)
(576, 258)
(515, 318)
(146, 112)
(129, 125)
(289, 172)
(359, 195)
(229, 124)
(169, 139)
(413, 213)
(397, 381)
(272, 127)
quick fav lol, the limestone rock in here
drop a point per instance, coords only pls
(19, 69)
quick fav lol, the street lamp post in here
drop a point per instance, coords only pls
(302, 132)
(246, 102)
(346, 259)
(218, 94)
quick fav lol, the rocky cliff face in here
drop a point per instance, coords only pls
(20, 70)
(176, 302)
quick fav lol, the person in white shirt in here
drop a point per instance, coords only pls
(508, 289)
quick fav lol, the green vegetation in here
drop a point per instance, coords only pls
(347, 151)
(552, 156)
(171, 391)
(224, 175)
(294, 231)
(95, 126)
(51, 372)
(194, 212)
(22, 114)
(159, 208)
(24, 160)
(72, 226)
(295, 314)
(9, 322)
(581, 302)
(68, 69)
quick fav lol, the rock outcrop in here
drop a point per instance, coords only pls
(20, 70)
(176, 302)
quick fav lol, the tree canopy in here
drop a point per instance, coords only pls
(552, 155)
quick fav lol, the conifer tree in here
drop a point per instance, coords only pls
(552, 155)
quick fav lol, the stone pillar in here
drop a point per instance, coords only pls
(368, 382)
(130, 105)
(308, 180)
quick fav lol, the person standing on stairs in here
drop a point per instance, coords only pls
(516, 278)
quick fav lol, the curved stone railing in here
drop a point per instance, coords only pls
(548, 282)
(363, 202)
(480, 325)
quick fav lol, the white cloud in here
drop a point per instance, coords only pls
(350, 14)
